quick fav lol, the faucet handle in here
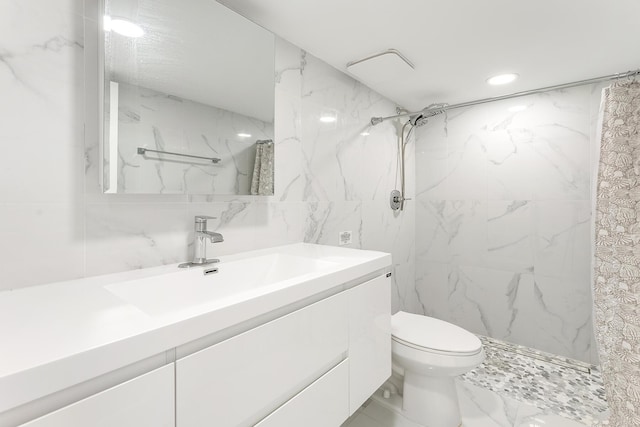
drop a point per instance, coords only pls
(203, 218)
(201, 222)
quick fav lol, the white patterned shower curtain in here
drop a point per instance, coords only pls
(617, 254)
(262, 180)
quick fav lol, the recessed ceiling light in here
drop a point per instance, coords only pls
(365, 134)
(244, 135)
(502, 79)
(518, 108)
(123, 27)
(327, 119)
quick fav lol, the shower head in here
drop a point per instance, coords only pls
(422, 117)
(418, 120)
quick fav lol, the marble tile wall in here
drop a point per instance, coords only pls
(160, 121)
(55, 224)
(503, 219)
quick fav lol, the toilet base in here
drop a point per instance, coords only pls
(430, 401)
(394, 404)
(441, 411)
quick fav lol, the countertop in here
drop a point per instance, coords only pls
(57, 335)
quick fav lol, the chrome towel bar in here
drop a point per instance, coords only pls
(142, 150)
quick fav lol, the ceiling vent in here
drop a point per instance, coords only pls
(381, 67)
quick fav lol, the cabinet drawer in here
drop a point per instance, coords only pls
(147, 400)
(324, 403)
(241, 380)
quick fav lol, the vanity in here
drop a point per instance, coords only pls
(296, 335)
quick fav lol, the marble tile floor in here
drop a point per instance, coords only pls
(514, 387)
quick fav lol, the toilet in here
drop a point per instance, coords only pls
(428, 354)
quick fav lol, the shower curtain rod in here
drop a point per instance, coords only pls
(441, 108)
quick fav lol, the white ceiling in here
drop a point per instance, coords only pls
(457, 45)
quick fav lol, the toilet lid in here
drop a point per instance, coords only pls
(433, 334)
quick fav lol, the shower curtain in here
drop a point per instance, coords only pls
(262, 180)
(617, 254)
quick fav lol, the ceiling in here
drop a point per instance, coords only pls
(457, 45)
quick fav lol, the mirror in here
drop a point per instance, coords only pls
(188, 99)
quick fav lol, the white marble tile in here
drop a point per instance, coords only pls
(393, 231)
(563, 240)
(404, 295)
(277, 224)
(562, 310)
(431, 155)
(467, 222)
(41, 243)
(122, 237)
(368, 163)
(511, 164)
(531, 416)
(42, 123)
(432, 229)
(385, 416)
(390, 231)
(510, 239)
(321, 96)
(483, 301)
(543, 151)
(325, 220)
(432, 287)
(467, 169)
(482, 407)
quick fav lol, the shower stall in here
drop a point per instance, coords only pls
(506, 223)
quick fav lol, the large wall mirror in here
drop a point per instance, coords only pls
(188, 99)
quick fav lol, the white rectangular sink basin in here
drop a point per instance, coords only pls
(184, 289)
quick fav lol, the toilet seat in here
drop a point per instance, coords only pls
(434, 351)
(433, 335)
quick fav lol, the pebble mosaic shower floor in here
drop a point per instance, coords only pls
(515, 387)
(565, 387)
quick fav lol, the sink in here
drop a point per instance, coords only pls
(181, 290)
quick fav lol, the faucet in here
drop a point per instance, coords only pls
(200, 243)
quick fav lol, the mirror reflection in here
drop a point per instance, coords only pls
(188, 99)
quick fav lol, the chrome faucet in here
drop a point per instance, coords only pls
(200, 243)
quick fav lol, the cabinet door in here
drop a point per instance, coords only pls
(369, 339)
(324, 403)
(241, 380)
(147, 400)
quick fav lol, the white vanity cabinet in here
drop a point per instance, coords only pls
(313, 367)
(241, 380)
(145, 401)
(264, 345)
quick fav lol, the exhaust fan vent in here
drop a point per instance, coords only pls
(384, 66)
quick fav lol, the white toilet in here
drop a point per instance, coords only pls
(429, 353)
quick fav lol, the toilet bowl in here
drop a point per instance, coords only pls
(429, 353)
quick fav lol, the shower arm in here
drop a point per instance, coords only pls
(435, 109)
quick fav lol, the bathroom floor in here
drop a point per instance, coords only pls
(515, 387)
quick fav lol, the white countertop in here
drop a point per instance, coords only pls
(57, 335)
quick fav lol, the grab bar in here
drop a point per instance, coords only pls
(142, 150)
